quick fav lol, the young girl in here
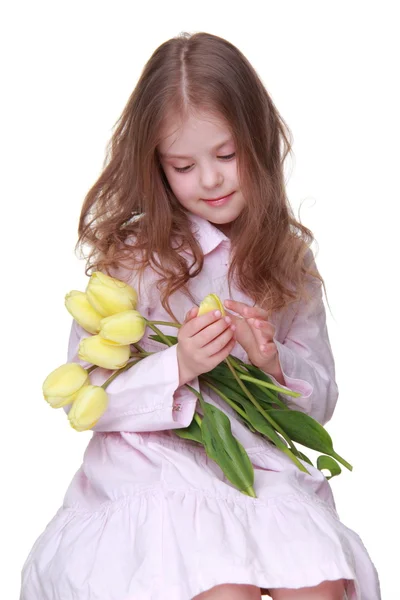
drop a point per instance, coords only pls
(192, 201)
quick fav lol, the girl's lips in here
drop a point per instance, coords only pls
(220, 201)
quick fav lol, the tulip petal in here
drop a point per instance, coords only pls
(126, 327)
(97, 351)
(61, 385)
(211, 302)
(108, 295)
(89, 405)
(82, 311)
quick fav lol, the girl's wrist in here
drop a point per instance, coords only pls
(184, 375)
(273, 368)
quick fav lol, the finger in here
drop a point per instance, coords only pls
(263, 333)
(208, 334)
(191, 313)
(220, 356)
(220, 342)
(246, 310)
(233, 316)
(266, 328)
(198, 323)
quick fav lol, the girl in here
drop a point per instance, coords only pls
(191, 202)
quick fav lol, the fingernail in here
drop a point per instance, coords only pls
(228, 320)
(217, 313)
(233, 327)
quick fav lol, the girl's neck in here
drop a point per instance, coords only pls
(224, 227)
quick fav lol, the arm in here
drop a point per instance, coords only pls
(306, 360)
(147, 397)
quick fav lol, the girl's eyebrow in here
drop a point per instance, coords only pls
(182, 156)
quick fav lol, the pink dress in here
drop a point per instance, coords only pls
(149, 516)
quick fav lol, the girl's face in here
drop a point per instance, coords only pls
(199, 162)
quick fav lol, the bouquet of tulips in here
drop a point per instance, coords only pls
(107, 310)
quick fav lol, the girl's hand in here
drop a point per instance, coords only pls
(255, 334)
(203, 342)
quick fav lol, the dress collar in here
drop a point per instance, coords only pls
(208, 236)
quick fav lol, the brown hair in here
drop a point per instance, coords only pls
(268, 246)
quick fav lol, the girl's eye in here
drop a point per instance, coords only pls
(184, 169)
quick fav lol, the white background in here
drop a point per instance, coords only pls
(68, 69)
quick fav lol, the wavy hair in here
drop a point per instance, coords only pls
(132, 200)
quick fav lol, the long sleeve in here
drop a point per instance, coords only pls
(307, 362)
(147, 397)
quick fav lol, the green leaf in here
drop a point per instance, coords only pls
(305, 430)
(157, 338)
(192, 432)
(225, 450)
(330, 464)
(230, 382)
(304, 457)
(233, 394)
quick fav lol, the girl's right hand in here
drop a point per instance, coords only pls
(203, 342)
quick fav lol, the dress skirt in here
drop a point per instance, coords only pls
(149, 516)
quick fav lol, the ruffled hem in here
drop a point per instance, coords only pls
(175, 544)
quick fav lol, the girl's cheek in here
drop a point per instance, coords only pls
(181, 185)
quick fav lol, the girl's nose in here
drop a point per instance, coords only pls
(211, 178)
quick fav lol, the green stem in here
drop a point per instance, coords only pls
(139, 348)
(237, 365)
(270, 385)
(342, 461)
(158, 332)
(195, 392)
(197, 419)
(241, 367)
(269, 418)
(118, 371)
(168, 323)
(92, 368)
(140, 351)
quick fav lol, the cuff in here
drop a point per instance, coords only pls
(287, 360)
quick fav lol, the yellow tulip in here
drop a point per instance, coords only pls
(83, 312)
(126, 327)
(88, 407)
(63, 384)
(99, 352)
(211, 302)
(109, 296)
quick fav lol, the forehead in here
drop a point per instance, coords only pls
(199, 132)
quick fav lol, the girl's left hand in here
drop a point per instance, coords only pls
(255, 334)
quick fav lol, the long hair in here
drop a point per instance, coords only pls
(132, 200)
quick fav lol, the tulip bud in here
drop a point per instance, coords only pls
(126, 327)
(83, 312)
(211, 302)
(88, 407)
(109, 296)
(104, 354)
(63, 384)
